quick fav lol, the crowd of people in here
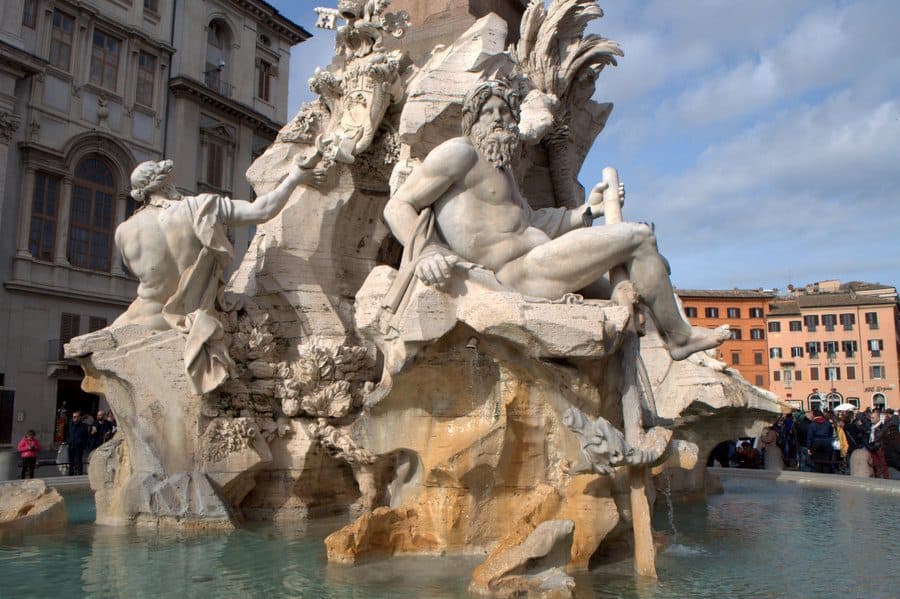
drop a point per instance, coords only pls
(84, 434)
(821, 441)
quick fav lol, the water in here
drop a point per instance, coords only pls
(759, 540)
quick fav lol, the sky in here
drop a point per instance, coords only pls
(762, 137)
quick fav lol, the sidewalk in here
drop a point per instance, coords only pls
(812, 479)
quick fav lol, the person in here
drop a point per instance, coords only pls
(721, 453)
(875, 446)
(465, 192)
(99, 430)
(178, 248)
(768, 441)
(748, 456)
(28, 448)
(78, 441)
(843, 441)
(787, 433)
(819, 446)
(856, 430)
(802, 428)
(111, 427)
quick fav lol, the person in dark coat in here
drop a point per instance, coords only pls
(819, 438)
(800, 429)
(78, 439)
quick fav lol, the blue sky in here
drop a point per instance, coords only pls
(761, 137)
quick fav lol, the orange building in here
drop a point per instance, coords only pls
(744, 311)
(835, 346)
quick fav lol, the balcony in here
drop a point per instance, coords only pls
(217, 83)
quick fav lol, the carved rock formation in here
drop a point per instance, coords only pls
(29, 506)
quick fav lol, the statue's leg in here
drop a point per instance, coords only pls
(581, 257)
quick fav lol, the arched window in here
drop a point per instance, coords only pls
(92, 219)
(815, 401)
(217, 41)
(878, 400)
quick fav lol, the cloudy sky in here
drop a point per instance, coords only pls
(761, 136)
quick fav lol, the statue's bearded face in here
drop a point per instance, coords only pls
(496, 133)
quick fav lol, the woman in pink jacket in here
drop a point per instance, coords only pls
(29, 447)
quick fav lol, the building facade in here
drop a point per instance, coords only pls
(89, 89)
(743, 310)
(832, 347)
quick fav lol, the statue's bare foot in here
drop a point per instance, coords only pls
(701, 338)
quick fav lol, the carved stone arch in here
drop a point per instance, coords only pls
(118, 156)
(231, 27)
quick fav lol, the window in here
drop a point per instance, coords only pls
(264, 74)
(813, 374)
(92, 217)
(851, 373)
(876, 372)
(757, 334)
(854, 401)
(832, 373)
(811, 322)
(776, 376)
(795, 325)
(849, 348)
(69, 327)
(813, 348)
(787, 378)
(831, 348)
(736, 334)
(734, 312)
(757, 357)
(872, 319)
(146, 79)
(690, 312)
(775, 327)
(878, 400)
(29, 14)
(775, 352)
(876, 346)
(848, 320)
(735, 358)
(798, 375)
(759, 382)
(829, 321)
(104, 60)
(151, 5)
(712, 312)
(42, 236)
(217, 42)
(756, 313)
(63, 26)
(215, 164)
(95, 323)
(797, 351)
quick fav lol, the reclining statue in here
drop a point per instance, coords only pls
(177, 247)
(462, 204)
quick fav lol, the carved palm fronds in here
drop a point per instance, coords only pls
(552, 48)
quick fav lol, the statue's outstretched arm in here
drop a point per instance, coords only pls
(267, 206)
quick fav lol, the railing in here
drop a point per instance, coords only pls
(215, 82)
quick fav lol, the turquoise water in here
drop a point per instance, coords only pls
(759, 540)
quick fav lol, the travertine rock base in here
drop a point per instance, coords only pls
(28, 506)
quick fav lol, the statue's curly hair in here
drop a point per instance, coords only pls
(148, 177)
(480, 94)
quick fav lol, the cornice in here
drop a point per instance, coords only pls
(182, 87)
(269, 15)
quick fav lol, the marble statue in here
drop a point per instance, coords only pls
(481, 216)
(177, 247)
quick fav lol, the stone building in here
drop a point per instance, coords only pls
(89, 89)
(831, 344)
(744, 311)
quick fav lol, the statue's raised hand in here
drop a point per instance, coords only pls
(305, 172)
(435, 269)
(595, 200)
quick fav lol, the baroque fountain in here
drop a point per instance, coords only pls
(428, 334)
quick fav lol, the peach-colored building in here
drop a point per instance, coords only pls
(743, 310)
(833, 344)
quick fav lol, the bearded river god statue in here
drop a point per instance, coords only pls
(485, 391)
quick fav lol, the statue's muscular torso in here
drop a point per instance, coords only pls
(482, 216)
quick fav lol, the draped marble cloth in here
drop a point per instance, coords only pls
(192, 308)
(426, 240)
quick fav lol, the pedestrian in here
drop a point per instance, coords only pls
(111, 427)
(98, 431)
(874, 445)
(78, 439)
(787, 433)
(28, 448)
(802, 427)
(819, 446)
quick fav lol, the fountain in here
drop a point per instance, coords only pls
(393, 387)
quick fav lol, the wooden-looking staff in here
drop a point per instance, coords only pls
(644, 551)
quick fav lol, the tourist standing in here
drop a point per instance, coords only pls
(874, 445)
(78, 440)
(28, 448)
(787, 433)
(819, 446)
(802, 428)
(111, 427)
